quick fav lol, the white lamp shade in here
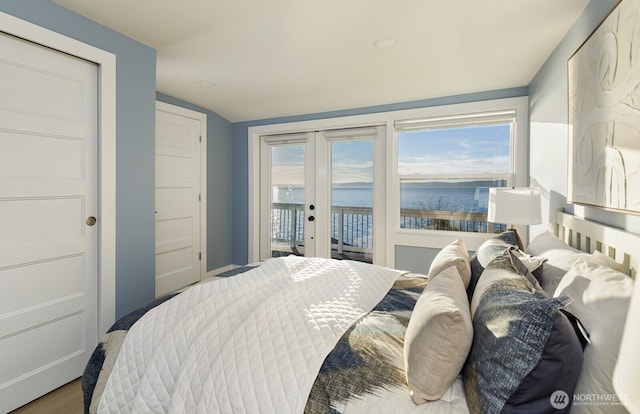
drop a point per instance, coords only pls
(626, 380)
(514, 206)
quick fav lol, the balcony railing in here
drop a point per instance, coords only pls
(475, 222)
(352, 227)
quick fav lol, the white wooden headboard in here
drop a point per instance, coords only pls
(588, 236)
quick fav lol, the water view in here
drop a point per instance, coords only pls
(458, 206)
(467, 196)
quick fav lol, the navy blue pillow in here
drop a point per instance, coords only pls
(526, 355)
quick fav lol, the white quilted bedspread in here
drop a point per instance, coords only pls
(252, 343)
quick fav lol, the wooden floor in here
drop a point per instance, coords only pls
(66, 399)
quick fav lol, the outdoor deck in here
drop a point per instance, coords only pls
(345, 255)
(352, 228)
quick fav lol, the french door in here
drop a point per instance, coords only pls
(317, 193)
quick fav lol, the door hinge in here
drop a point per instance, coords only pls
(199, 197)
(199, 255)
(200, 138)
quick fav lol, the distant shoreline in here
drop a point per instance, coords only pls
(422, 184)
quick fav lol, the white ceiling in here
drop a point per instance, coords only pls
(289, 57)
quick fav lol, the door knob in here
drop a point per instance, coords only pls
(311, 218)
(91, 221)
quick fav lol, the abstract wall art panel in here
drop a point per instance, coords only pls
(604, 114)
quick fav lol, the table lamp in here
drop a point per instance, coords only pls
(514, 205)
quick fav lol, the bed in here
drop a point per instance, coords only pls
(325, 336)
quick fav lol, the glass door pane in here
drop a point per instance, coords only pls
(287, 200)
(352, 200)
(316, 194)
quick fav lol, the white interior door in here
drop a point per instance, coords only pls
(179, 197)
(48, 212)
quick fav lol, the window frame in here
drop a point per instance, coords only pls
(500, 117)
(423, 238)
(388, 190)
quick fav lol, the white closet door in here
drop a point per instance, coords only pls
(179, 219)
(48, 203)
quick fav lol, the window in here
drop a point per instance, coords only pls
(445, 166)
(421, 156)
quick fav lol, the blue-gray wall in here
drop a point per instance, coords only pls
(548, 116)
(135, 117)
(548, 138)
(227, 158)
(219, 208)
(241, 152)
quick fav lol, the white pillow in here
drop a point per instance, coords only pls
(560, 257)
(438, 337)
(557, 252)
(546, 241)
(600, 258)
(453, 254)
(601, 300)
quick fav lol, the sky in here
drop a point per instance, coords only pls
(352, 161)
(464, 150)
(461, 150)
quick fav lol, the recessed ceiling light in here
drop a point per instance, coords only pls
(206, 83)
(384, 43)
